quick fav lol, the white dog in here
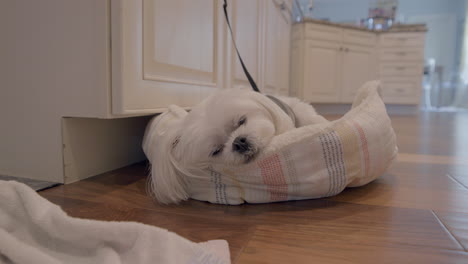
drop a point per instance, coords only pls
(231, 127)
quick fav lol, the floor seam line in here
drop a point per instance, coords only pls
(246, 243)
(455, 180)
(448, 230)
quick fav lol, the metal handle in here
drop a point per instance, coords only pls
(400, 90)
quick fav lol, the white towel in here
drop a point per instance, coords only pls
(33, 230)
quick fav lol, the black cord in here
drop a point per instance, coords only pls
(249, 77)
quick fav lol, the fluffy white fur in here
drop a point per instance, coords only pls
(230, 127)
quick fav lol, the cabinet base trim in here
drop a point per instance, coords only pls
(341, 109)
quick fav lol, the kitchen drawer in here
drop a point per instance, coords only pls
(322, 32)
(359, 37)
(402, 54)
(402, 39)
(400, 69)
(400, 89)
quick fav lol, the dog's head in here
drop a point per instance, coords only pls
(229, 128)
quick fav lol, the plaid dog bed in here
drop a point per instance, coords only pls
(311, 162)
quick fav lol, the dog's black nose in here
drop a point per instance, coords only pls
(240, 144)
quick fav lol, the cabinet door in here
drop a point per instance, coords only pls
(164, 52)
(284, 52)
(297, 69)
(246, 25)
(277, 28)
(358, 68)
(321, 72)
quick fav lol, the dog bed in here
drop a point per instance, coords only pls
(313, 161)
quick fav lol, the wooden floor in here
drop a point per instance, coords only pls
(416, 213)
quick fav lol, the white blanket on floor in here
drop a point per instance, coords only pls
(33, 230)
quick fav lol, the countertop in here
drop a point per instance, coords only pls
(395, 28)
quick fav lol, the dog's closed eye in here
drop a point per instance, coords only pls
(242, 121)
(175, 142)
(217, 151)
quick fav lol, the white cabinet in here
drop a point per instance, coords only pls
(262, 33)
(164, 52)
(330, 62)
(277, 27)
(358, 67)
(321, 71)
(283, 51)
(107, 59)
(401, 58)
(176, 52)
(247, 27)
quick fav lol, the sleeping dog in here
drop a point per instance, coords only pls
(231, 127)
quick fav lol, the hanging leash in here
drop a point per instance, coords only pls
(249, 77)
(286, 108)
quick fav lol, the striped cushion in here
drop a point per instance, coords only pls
(311, 162)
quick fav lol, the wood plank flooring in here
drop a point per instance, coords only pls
(416, 213)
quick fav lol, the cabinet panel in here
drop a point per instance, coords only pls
(402, 39)
(297, 69)
(159, 58)
(359, 38)
(262, 35)
(179, 47)
(321, 32)
(297, 32)
(246, 23)
(400, 69)
(271, 45)
(284, 42)
(401, 54)
(276, 41)
(357, 69)
(321, 72)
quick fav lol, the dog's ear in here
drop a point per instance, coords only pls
(166, 183)
(280, 119)
(160, 125)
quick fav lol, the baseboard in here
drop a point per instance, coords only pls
(403, 109)
(94, 146)
(341, 109)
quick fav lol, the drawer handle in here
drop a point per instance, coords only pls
(400, 90)
(402, 39)
(401, 53)
(400, 68)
